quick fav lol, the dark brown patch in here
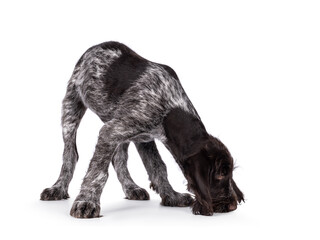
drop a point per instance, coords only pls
(205, 161)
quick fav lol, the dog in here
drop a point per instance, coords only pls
(140, 101)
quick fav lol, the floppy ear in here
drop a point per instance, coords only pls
(240, 197)
(196, 172)
(193, 149)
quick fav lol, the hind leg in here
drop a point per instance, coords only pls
(111, 136)
(72, 113)
(158, 176)
(130, 188)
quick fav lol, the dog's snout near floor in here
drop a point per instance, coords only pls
(232, 206)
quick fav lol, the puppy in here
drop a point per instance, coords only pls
(140, 101)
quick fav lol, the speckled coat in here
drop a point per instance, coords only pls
(133, 97)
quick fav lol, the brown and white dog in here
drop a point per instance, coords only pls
(140, 101)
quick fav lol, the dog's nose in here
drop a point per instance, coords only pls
(232, 206)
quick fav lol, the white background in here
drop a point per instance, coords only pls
(251, 68)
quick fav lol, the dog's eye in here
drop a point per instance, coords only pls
(220, 176)
(224, 172)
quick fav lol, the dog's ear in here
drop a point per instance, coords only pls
(240, 197)
(196, 172)
(193, 149)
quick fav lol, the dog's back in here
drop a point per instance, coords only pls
(111, 77)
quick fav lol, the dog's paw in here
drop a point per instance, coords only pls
(176, 199)
(85, 209)
(53, 193)
(137, 194)
(199, 209)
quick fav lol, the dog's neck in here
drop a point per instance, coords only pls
(185, 134)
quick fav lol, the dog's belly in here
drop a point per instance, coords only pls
(156, 133)
(143, 137)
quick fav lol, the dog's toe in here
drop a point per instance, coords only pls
(177, 200)
(199, 209)
(53, 193)
(137, 194)
(84, 209)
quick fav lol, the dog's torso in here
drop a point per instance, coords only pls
(116, 83)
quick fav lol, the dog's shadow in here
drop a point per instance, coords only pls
(120, 207)
(133, 212)
(138, 208)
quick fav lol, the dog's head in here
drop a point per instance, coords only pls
(209, 175)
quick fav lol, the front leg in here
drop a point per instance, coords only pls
(87, 203)
(158, 176)
(201, 209)
(130, 188)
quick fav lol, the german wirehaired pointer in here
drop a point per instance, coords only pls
(139, 101)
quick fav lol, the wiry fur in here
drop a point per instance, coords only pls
(140, 101)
